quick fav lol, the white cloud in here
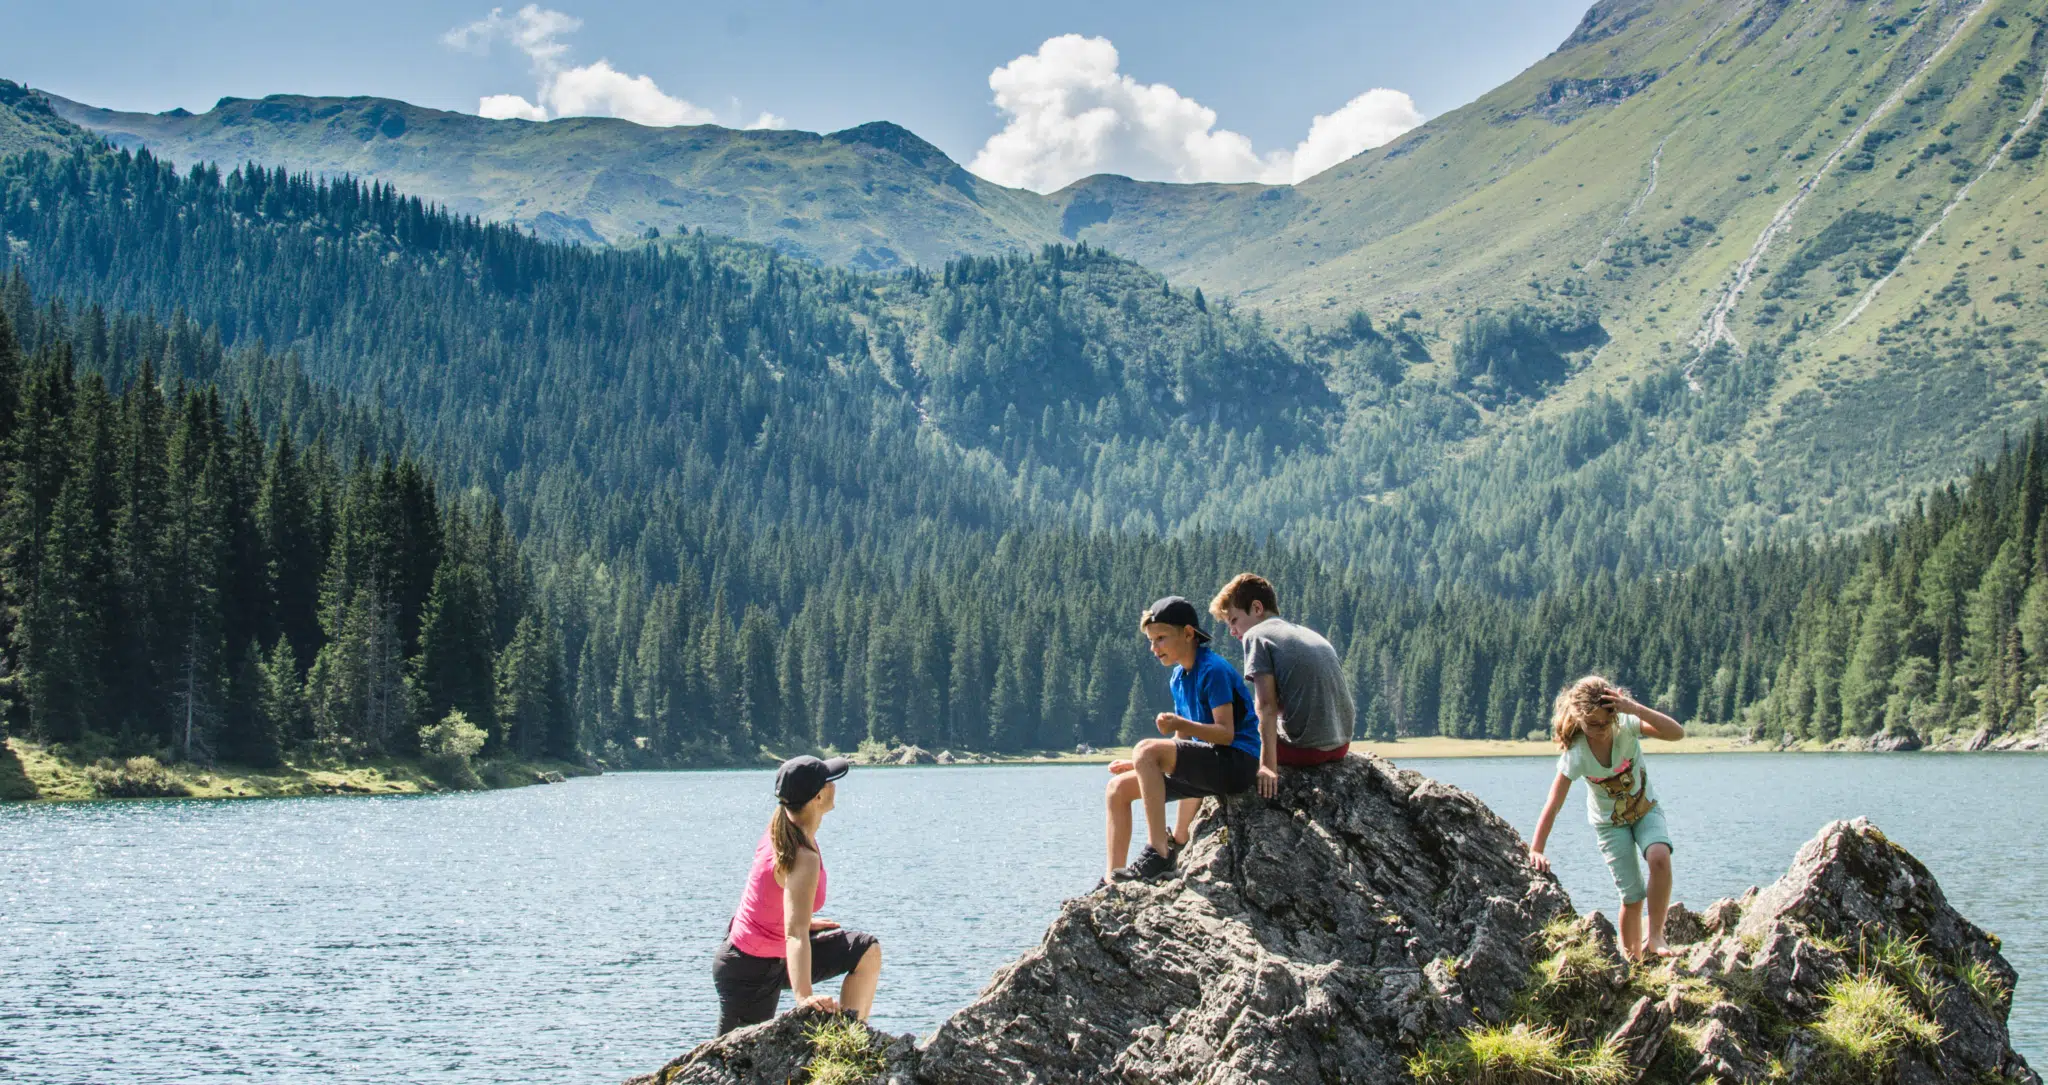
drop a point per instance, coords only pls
(1070, 113)
(587, 90)
(1365, 122)
(500, 107)
(600, 90)
(768, 120)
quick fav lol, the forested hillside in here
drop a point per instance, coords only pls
(873, 197)
(304, 624)
(1836, 198)
(1067, 388)
(771, 504)
(171, 580)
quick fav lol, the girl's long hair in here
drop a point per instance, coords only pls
(1577, 701)
(787, 837)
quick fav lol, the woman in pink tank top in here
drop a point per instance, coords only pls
(777, 942)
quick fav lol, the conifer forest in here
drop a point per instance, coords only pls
(295, 465)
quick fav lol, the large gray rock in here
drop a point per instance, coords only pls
(1369, 914)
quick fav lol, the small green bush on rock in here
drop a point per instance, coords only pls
(1865, 1022)
(843, 1053)
(1518, 1054)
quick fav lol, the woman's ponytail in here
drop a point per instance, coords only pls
(788, 838)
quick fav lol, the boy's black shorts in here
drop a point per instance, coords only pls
(749, 987)
(1201, 770)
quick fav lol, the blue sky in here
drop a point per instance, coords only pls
(1264, 71)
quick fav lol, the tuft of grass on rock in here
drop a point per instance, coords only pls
(1517, 1054)
(1981, 981)
(1905, 961)
(1864, 1023)
(1574, 982)
(843, 1052)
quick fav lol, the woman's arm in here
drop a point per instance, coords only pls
(799, 893)
(1655, 724)
(1559, 788)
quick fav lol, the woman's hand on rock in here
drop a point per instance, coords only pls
(1539, 860)
(820, 1003)
(1269, 782)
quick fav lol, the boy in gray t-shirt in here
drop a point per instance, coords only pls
(1303, 700)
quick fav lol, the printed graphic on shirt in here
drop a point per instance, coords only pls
(1631, 801)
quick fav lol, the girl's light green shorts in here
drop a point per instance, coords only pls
(1623, 846)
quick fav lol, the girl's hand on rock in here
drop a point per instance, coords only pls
(1539, 860)
(820, 1003)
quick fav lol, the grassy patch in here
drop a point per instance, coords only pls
(1983, 983)
(135, 778)
(1574, 982)
(1905, 961)
(1865, 1023)
(1660, 980)
(843, 1052)
(32, 771)
(1519, 1054)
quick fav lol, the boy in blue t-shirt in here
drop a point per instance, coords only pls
(1213, 748)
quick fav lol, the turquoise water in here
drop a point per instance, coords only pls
(564, 934)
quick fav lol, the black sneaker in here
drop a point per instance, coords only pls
(1149, 866)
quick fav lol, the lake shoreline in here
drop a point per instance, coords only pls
(31, 772)
(1435, 747)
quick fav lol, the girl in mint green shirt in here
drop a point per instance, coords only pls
(1600, 730)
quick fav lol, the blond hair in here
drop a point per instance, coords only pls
(1577, 701)
(788, 837)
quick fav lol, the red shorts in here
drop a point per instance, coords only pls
(1296, 757)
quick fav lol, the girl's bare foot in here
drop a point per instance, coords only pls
(1122, 765)
(1658, 951)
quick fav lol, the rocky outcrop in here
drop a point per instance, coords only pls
(1370, 924)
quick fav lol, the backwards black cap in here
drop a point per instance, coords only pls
(1174, 610)
(800, 779)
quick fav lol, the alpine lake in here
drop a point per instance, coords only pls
(565, 933)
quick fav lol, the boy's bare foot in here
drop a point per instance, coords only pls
(1658, 951)
(1121, 765)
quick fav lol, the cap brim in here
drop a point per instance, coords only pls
(835, 767)
(1199, 635)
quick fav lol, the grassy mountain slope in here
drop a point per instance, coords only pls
(27, 123)
(872, 197)
(1847, 193)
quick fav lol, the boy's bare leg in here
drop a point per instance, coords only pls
(1660, 900)
(1184, 830)
(1155, 759)
(1632, 931)
(1117, 798)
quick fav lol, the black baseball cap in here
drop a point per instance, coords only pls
(800, 779)
(1174, 610)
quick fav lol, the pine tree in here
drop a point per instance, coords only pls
(457, 649)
